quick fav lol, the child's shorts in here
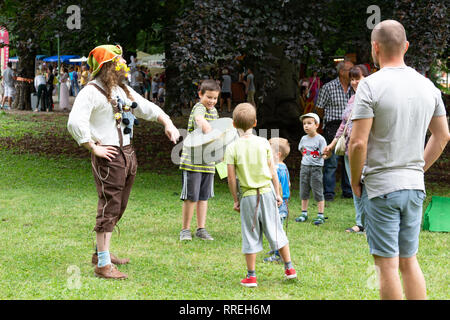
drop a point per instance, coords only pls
(283, 210)
(311, 177)
(197, 186)
(267, 223)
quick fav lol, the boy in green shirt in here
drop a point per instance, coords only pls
(250, 159)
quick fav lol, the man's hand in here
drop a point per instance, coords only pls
(357, 190)
(106, 152)
(169, 129)
(237, 206)
(172, 132)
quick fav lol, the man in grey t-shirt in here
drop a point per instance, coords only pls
(393, 110)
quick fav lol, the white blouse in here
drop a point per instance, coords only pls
(92, 116)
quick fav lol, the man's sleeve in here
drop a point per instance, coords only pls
(323, 98)
(363, 107)
(440, 108)
(78, 124)
(146, 110)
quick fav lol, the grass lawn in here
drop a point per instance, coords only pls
(47, 213)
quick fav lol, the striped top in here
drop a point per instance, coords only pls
(333, 100)
(186, 161)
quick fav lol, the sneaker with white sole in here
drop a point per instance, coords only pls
(302, 218)
(249, 282)
(320, 220)
(290, 273)
(185, 235)
(203, 234)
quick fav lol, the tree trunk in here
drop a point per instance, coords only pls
(281, 107)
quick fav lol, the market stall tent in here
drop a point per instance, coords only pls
(63, 59)
(77, 60)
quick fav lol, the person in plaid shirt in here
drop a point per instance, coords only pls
(332, 100)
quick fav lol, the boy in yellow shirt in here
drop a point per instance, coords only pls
(250, 159)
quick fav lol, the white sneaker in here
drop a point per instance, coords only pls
(185, 235)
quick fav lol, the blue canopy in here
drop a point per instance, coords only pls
(64, 59)
(38, 57)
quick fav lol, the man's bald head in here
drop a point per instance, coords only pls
(391, 37)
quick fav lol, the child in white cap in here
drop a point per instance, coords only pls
(312, 146)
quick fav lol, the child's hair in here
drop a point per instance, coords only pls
(244, 116)
(209, 85)
(282, 145)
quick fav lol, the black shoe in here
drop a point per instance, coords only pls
(347, 196)
(329, 198)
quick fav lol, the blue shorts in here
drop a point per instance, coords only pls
(392, 222)
(283, 210)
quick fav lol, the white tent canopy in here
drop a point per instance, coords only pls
(82, 59)
(150, 60)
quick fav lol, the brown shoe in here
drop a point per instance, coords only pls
(114, 259)
(109, 272)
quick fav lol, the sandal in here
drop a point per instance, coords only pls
(302, 218)
(351, 230)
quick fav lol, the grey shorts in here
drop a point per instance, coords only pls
(197, 186)
(311, 178)
(9, 91)
(392, 222)
(267, 222)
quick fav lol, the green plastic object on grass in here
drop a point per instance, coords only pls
(437, 215)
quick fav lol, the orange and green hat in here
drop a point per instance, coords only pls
(101, 54)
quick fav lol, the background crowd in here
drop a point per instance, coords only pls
(71, 79)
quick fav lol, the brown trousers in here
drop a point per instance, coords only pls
(113, 180)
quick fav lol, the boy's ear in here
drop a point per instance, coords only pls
(254, 125)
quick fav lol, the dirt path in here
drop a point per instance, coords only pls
(153, 149)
